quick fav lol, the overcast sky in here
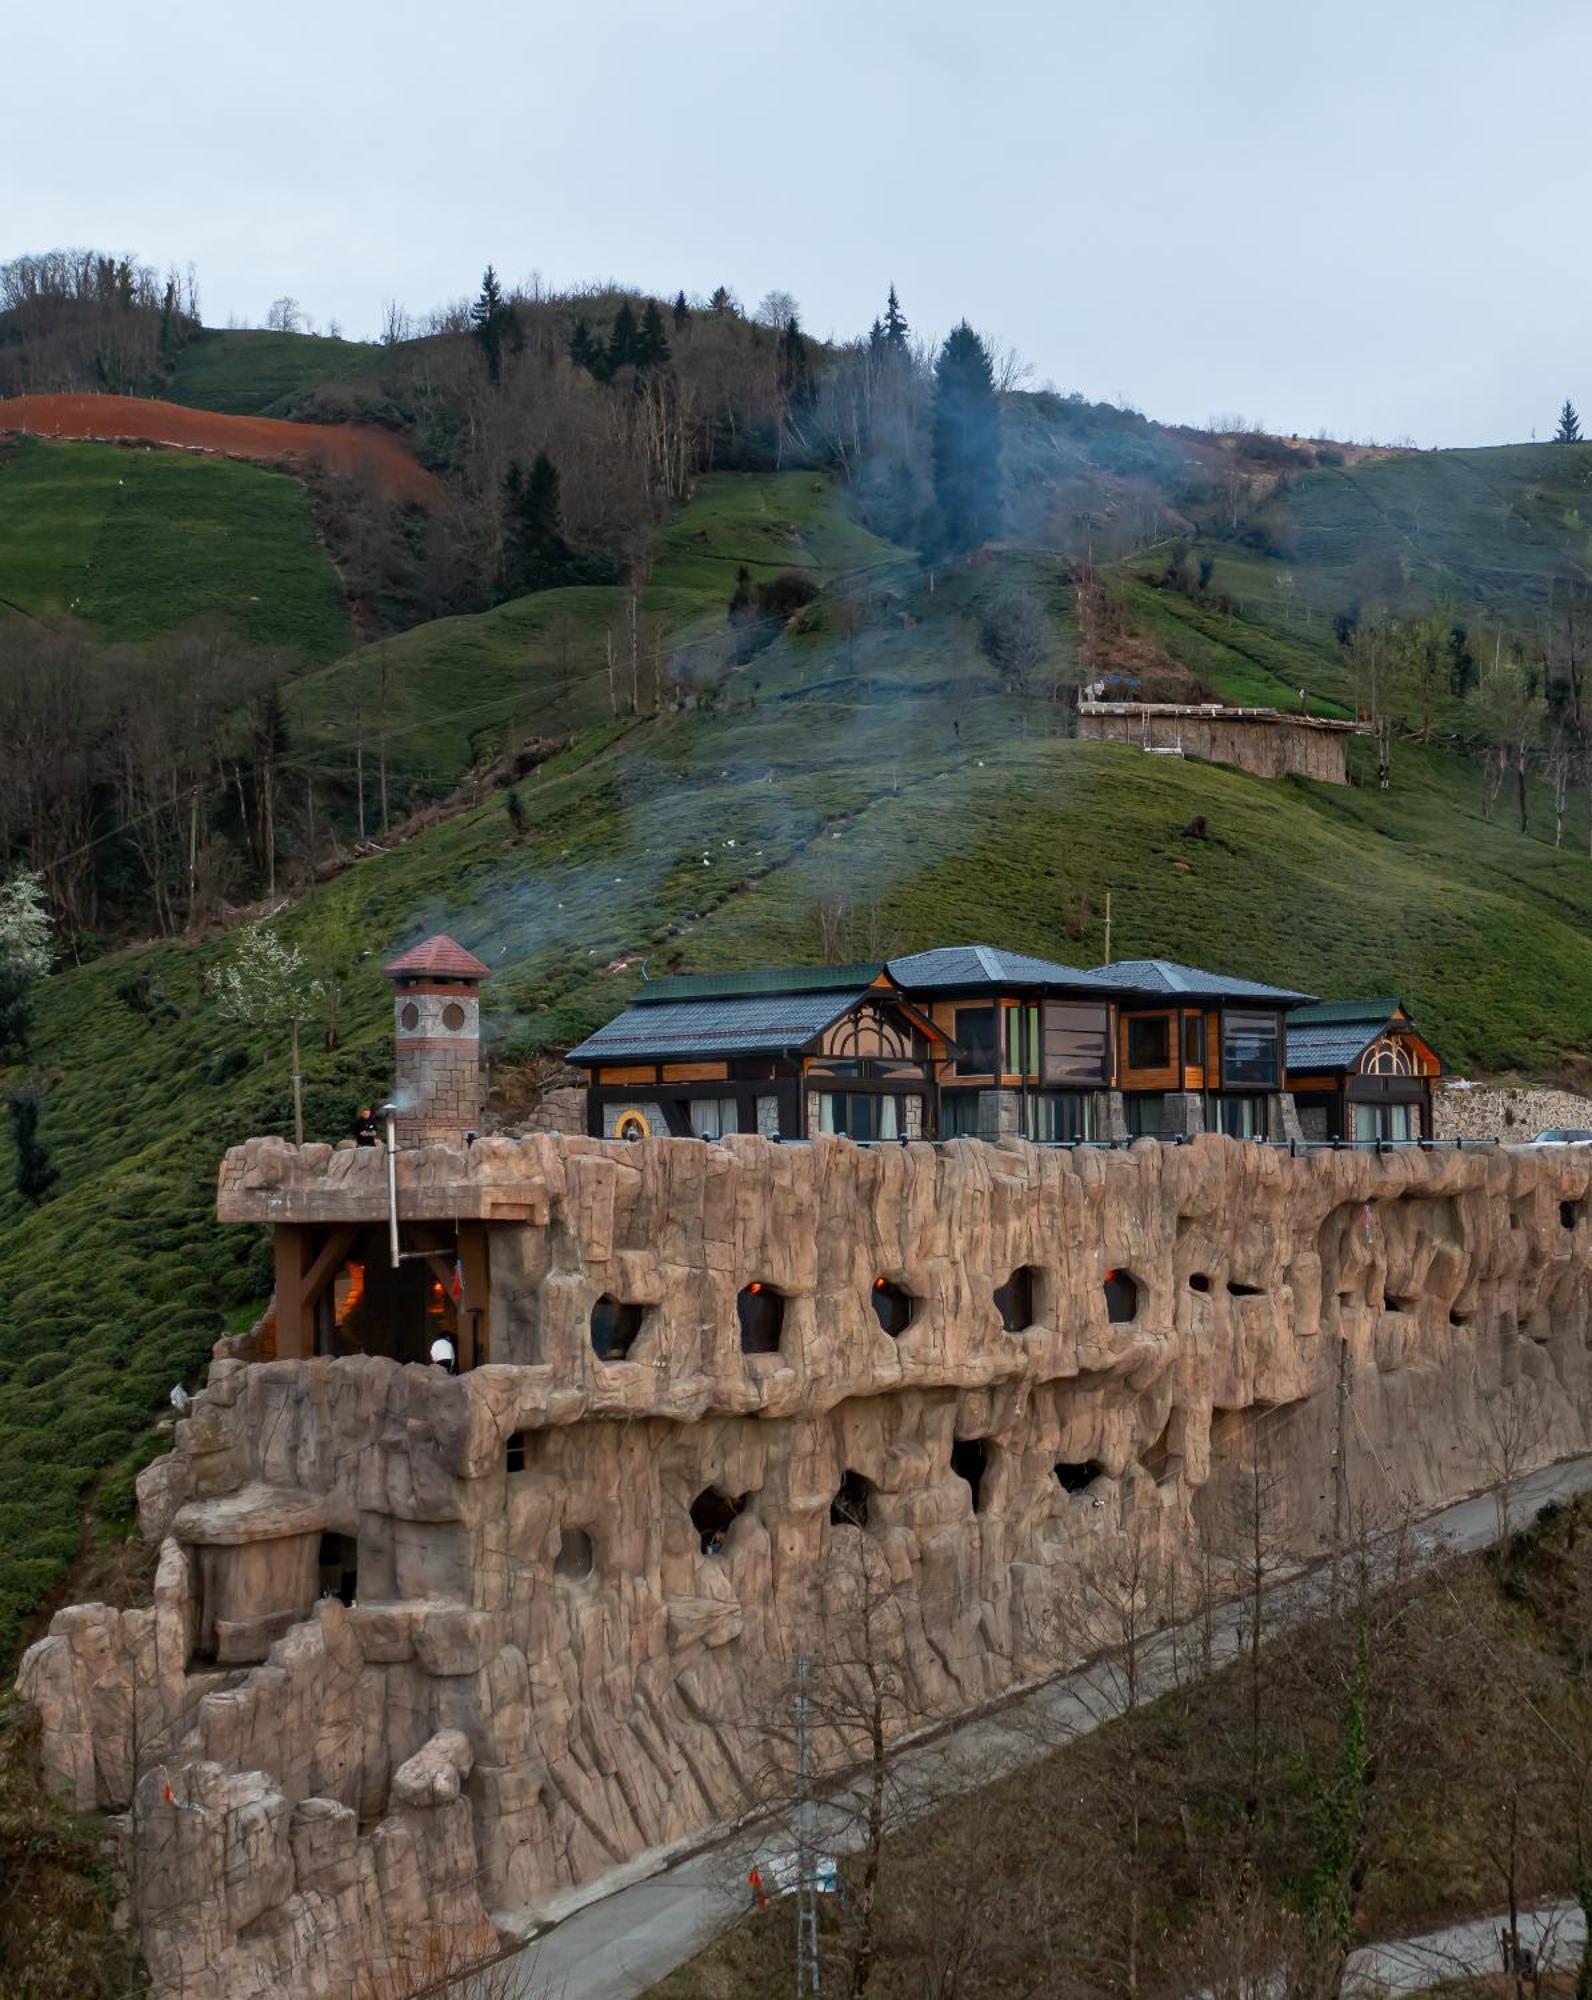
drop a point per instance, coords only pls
(1360, 216)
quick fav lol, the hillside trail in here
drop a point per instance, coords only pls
(614, 1938)
(344, 449)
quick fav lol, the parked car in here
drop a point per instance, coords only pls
(1563, 1135)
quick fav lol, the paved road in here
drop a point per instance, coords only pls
(1555, 1933)
(634, 1933)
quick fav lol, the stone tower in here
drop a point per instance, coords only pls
(437, 1039)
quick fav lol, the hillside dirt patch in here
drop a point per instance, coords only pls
(344, 449)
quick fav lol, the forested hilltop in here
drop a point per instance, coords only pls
(693, 640)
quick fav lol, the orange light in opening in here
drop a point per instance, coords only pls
(755, 1287)
(879, 1284)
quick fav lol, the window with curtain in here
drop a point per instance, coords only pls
(1194, 1041)
(959, 1114)
(712, 1117)
(1238, 1117)
(1022, 1040)
(853, 1114)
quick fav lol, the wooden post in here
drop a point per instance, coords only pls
(476, 1320)
(292, 1330)
(1108, 927)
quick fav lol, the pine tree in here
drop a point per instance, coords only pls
(35, 1175)
(966, 442)
(793, 364)
(535, 553)
(652, 343)
(585, 350)
(876, 338)
(493, 321)
(895, 325)
(1569, 431)
(721, 302)
(682, 312)
(622, 338)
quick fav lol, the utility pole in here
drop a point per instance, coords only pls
(807, 1972)
(1108, 927)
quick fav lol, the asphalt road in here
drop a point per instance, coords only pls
(633, 1934)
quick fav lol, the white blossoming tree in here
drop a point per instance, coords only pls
(25, 932)
(268, 984)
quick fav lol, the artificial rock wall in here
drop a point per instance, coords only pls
(544, 1673)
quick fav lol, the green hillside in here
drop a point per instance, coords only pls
(721, 785)
(250, 372)
(135, 543)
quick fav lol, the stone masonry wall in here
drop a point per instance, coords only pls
(543, 1673)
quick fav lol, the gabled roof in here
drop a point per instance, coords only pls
(1166, 976)
(1334, 1034)
(750, 984)
(977, 965)
(441, 957)
(742, 1024)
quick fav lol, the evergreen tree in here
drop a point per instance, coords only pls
(652, 343)
(793, 363)
(895, 325)
(876, 338)
(623, 338)
(1569, 431)
(721, 302)
(585, 349)
(682, 312)
(535, 554)
(493, 321)
(35, 1175)
(966, 442)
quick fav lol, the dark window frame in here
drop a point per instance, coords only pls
(1140, 1025)
(968, 1063)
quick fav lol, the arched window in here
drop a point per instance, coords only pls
(711, 1514)
(614, 1326)
(892, 1306)
(1014, 1300)
(970, 1461)
(849, 1508)
(1122, 1297)
(761, 1311)
(574, 1559)
(1387, 1056)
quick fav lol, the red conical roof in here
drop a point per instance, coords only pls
(440, 957)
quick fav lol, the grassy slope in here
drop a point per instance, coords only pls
(885, 765)
(253, 372)
(135, 542)
(450, 692)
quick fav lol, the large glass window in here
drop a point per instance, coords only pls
(1076, 1043)
(853, 1114)
(1149, 1042)
(1249, 1048)
(1194, 1041)
(1145, 1116)
(976, 1037)
(1060, 1117)
(712, 1117)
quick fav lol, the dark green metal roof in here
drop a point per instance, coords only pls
(1338, 1013)
(753, 984)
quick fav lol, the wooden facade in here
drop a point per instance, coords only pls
(1361, 1073)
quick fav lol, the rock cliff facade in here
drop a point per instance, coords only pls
(533, 1660)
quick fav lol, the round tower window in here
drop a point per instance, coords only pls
(410, 1016)
(453, 1015)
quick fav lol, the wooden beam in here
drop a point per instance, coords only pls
(475, 1257)
(329, 1260)
(292, 1333)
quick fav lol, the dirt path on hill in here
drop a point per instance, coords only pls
(339, 448)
